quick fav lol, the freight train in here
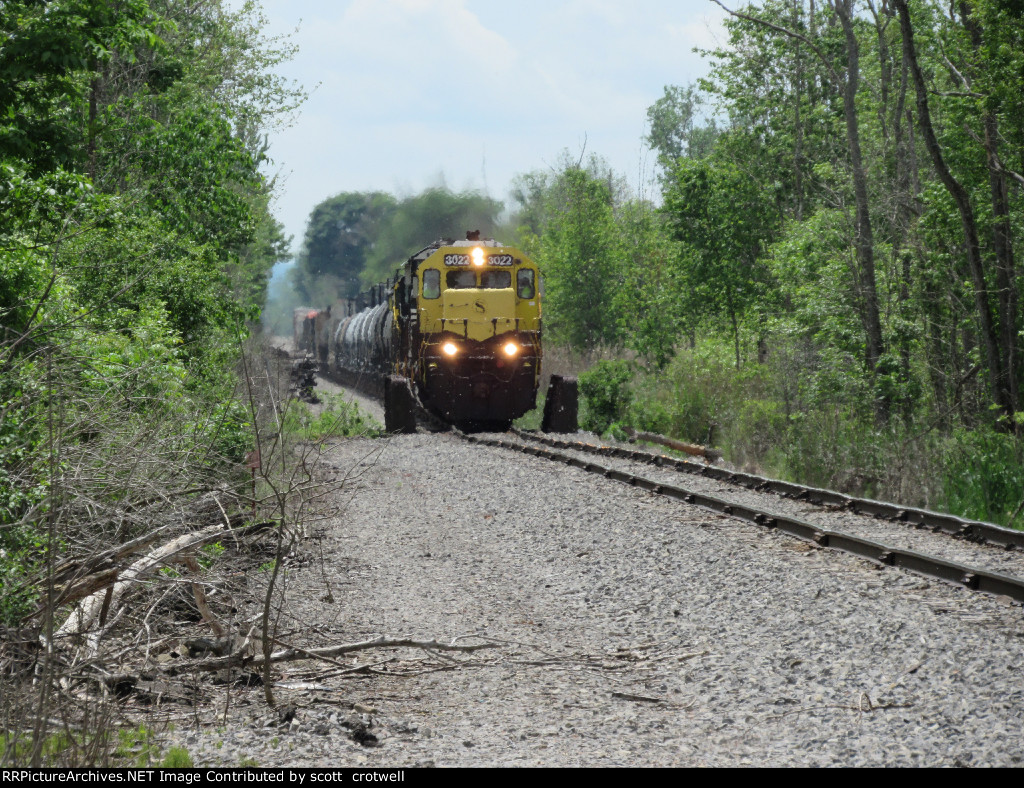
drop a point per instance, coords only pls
(458, 328)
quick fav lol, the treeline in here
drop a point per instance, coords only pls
(135, 242)
(841, 204)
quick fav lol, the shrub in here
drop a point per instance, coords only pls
(606, 394)
(758, 433)
(983, 475)
(698, 389)
(229, 432)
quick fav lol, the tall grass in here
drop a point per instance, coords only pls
(795, 417)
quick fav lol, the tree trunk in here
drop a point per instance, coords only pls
(735, 325)
(798, 130)
(1006, 278)
(94, 90)
(864, 239)
(989, 334)
(1002, 235)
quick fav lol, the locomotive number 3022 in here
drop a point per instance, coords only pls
(464, 259)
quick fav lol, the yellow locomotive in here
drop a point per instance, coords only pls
(461, 322)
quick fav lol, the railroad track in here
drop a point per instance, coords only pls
(938, 522)
(956, 572)
(929, 565)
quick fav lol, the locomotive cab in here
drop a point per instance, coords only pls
(479, 330)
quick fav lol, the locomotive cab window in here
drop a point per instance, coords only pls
(460, 280)
(496, 280)
(431, 283)
(524, 283)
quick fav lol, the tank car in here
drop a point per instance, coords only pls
(461, 322)
(312, 329)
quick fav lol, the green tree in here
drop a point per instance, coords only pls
(135, 242)
(581, 256)
(718, 215)
(675, 132)
(416, 221)
(51, 56)
(340, 235)
(785, 22)
(652, 307)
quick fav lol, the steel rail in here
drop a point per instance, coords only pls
(884, 555)
(920, 563)
(957, 527)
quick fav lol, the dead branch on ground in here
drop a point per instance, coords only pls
(95, 608)
(239, 659)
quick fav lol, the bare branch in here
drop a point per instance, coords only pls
(953, 70)
(200, 594)
(995, 161)
(786, 32)
(239, 659)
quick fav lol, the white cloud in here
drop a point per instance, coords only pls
(402, 58)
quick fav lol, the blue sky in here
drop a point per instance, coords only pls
(412, 93)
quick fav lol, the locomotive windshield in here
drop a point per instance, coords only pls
(460, 280)
(489, 280)
(496, 280)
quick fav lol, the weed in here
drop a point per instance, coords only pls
(18, 750)
(177, 758)
(136, 746)
(990, 485)
(799, 417)
(334, 418)
(210, 553)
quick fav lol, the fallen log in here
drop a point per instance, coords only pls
(74, 579)
(708, 455)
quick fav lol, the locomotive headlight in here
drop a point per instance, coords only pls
(478, 255)
(450, 349)
(511, 349)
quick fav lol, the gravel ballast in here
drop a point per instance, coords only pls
(897, 534)
(633, 631)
